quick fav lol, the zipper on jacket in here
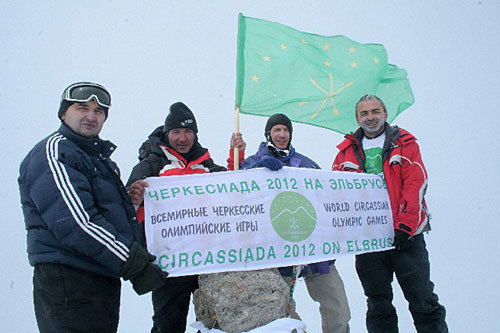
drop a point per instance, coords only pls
(357, 152)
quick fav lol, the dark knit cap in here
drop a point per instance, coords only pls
(63, 107)
(180, 116)
(278, 119)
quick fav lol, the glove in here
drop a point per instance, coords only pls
(402, 240)
(270, 163)
(139, 269)
(151, 278)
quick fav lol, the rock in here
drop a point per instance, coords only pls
(241, 301)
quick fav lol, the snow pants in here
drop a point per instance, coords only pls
(171, 304)
(67, 299)
(328, 290)
(412, 268)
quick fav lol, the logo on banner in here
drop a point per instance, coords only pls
(293, 217)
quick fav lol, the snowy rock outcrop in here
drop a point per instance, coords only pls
(241, 301)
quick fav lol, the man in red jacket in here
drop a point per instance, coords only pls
(378, 148)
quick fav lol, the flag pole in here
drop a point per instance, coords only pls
(237, 130)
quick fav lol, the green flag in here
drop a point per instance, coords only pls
(313, 79)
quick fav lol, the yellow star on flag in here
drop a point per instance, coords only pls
(327, 63)
(354, 64)
(352, 49)
(303, 41)
(326, 47)
(266, 58)
(376, 60)
(255, 78)
(283, 47)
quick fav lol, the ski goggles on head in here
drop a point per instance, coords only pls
(83, 92)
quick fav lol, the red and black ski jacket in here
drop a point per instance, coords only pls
(404, 174)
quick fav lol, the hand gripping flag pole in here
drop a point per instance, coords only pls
(236, 131)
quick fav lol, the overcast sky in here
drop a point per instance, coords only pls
(150, 54)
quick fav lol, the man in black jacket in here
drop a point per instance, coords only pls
(82, 227)
(172, 149)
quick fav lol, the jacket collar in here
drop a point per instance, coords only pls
(392, 133)
(202, 155)
(92, 146)
(263, 153)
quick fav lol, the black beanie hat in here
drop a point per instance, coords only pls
(277, 119)
(180, 116)
(63, 107)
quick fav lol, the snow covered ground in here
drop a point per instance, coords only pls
(151, 54)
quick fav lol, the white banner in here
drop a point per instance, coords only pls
(255, 219)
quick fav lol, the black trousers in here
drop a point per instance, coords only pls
(67, 299)
(412, 268)
(171, 304)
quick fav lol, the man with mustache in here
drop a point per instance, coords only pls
(379, 148)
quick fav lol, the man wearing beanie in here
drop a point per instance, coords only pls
(82, 228)
(323, 282)
(171, 149)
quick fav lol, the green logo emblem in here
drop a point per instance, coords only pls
(293, 217)
(373, 161)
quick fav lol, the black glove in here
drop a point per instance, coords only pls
(139, 269)
(151, 278)
(270, 163)
(402, 240)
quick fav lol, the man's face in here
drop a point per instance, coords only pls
(181, 139)
(280, 136)
(85, 119)
(371, 117)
